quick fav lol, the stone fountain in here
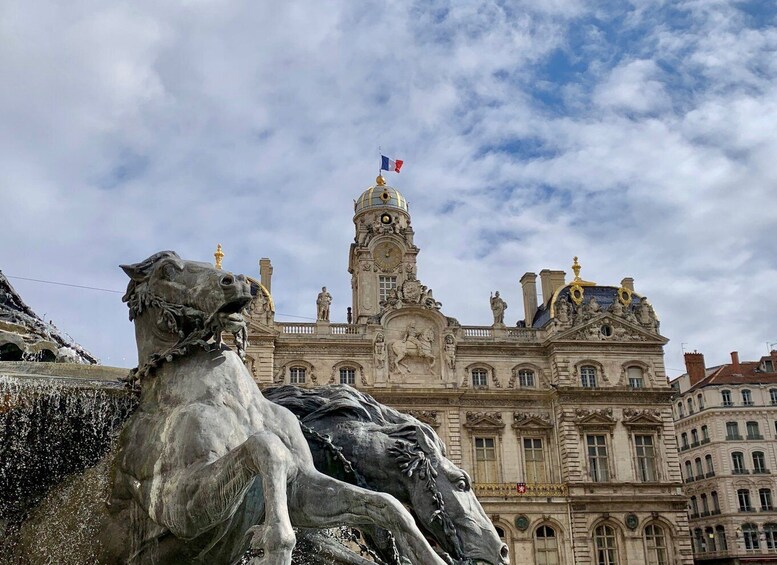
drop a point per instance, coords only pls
(206, 469)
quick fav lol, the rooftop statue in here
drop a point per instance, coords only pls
(207, 468)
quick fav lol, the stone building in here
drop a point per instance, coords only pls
(726, 425)
(564, 420)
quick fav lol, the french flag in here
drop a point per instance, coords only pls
(387, 164)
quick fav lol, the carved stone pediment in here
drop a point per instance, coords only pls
(594, 419)
(410, 293)
(531, 422)
(642, 418)
(607, 327)
(484, 422)
(429, 417)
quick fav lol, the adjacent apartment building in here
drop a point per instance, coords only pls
(563, 418)
(726, 424)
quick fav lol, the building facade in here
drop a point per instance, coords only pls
(726, 424)
(564, 420)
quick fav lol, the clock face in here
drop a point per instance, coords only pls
(387, 256)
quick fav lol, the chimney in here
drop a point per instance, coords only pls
(628, 283)
(773, 355)
(265, 273)
(551, 281)
(694, 365)
(735, 368)
(529, 285)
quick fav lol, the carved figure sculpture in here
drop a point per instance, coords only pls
(563, 311)
(450, 351)
(207, 468)
(414, 344)
(498, 307)
(380, 350)
(323, 301)
(356, 439)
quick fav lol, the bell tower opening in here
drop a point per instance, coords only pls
(383, 254)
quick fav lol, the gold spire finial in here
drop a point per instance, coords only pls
(380, 181)
(219, 255)
(576, 269)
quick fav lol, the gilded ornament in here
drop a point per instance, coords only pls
(219, 255)
(624, 296)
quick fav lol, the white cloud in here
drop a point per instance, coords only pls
(133, 127)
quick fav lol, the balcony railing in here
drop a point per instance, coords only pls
(761, 472)
(755, 436)
(510, 490)
(740, 472)
(709, 474)
(705, 440)
(297, 328)
(695, 444)
(734, 437)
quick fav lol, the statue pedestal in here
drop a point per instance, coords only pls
(500, 330)
(322, 327)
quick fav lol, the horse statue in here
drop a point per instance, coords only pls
(207, 470)
(416, 344)
(356, 439)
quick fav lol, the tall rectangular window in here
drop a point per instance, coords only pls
(765, 494)
(526, 378)
(386, 283)
(485, 460)
(725, 396)
(753, 432)
(598, 464)
(534, 455)
(646, 458)
(747, 398)
(759, 462)
(743, 496)
(738, 463)
(773, 395)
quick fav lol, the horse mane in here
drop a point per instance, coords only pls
(345, 403)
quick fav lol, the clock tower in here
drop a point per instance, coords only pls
(383, 255)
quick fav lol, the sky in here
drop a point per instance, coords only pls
(639, 136)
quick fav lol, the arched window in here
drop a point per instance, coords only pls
(698, 541)
(680, 409)
(684, 440)
(720, 538)
(694, 506)
(694, 437)
(705, 434)
(705, 505)
(479, 377)
(753, 431)
(297, 375)
(347, 376)
(655, 545)
(636, 377)
(725, 397)
(699, 468)
(700, 401)
(546, 546)
(750, 535)
(588, 376)
(526, 378)
(690, 406)
(606, 545)
(715, 502)
(738, 463)
(770, 534)
(710, 467)
(747, 398)
(500, 532)
(759, 462)
(773, 395)
(688, 471)
(765, 496)
(709, 535)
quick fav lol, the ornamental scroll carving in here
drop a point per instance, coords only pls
(484, 421)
